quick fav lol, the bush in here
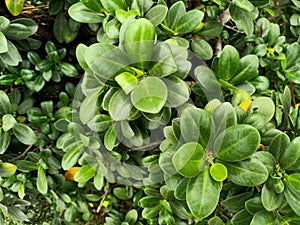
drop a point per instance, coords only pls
(149, 112)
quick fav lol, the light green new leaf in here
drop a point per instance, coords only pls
(82, 14)
(41, 183)
(113, 5)
(138, 41)
(7, 169)
(85, 173)
(24, 134)
(127, 81)
(176, 11)
(150, 95)
(189, 22)
(15, 7)
(93, 4)
(202, 195)
(189, 159)
(157, 14)
(249, 172)
(8, 122)
(237, 143)
(228, 63)
(294, 180)
(89, 108)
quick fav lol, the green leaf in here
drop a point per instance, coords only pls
(16, 214)
(127, 81)
(242, 18)
(157, 14)
(215, 221)
(292, 196)
(291, 156)
(111, 58)
(112, 28)
(24, 134)
(89, 107)
(70, 213)
(26, 166)
(79, 12)
(176, 11)
(15, 7)
(269, 198)
(218, 172)
(263, 217)
(178, 91)
(164, 63)
(120, 106)
(243, 4)
(150, 95)
(196, 125)
(7, 169)
(93, 4)
(202, 48)
(110, 138)
(259, 3)
(189, 21)
(123, 193)
(113, 5)
(278, 145)
(249, 172)
(12, 57)
(263, 105)
(149, 201)
(202, 195)
(5, 138)
(294, 180)
(138, 41)
(3, 41)
(248, 69)
(68, 69)
(237, 143)
(211, 29)
(242, 217)
(80, 53)
(131, 216)
(71, 157)
(84, 174)
(254, 205)
(228, 63)
(8, 122)
(189, 159)
(59, 27)
(100, 123)
(18, 31)
(41, 183)
(5, 105)
(236, 203)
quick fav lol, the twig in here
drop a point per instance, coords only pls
(103, 198)
(21, 155)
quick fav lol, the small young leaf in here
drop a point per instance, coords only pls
(8, 122)
(42, 184)
(85, 173)
(7, 169)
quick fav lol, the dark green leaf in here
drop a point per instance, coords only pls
(202, 48)
(291, 156)
(263, 217)
(41, 183)
(189, 22)
(228, 63)
(236, 203)
(82, 14)
(24, 134)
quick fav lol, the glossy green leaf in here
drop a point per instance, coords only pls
(248, 69)
(12, 57)
(228, 63)
(243, 4)
(24, 134)
(85, 173)
(189, 159)
(164, 63)
(111, 58)
(120, 106)
(8, 122)
(269, 198)
(79, 12)
(294, 180)
(218, 172)
(71, 157)
(215, 221)
(176, 11)
(291, 156)
(100, 123)
(237, 143)
(202, 48)
(3, 41)
(242, 217)
(68, 69)
(5, 105)
(263, 105)
(157, 14)
(93, 4)
(150, 95)
(26, 165)
(112, 28)
(110, 138)
(236, 203)
(42, 183)
(254, 205)
(5, 138)
(189, 21)
(202, 195)
(249, 172)
(196, 125)
(242, 18)
(80, 53)
(263, 217)
(15, 7)
(292, 196)
(127, 81)
(138, 41)
(279, 144)
(113, 5)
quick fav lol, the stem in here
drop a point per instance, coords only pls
(21, 155)
(227, 85)
(103, 198)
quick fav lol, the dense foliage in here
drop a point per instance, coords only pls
(150, 112)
